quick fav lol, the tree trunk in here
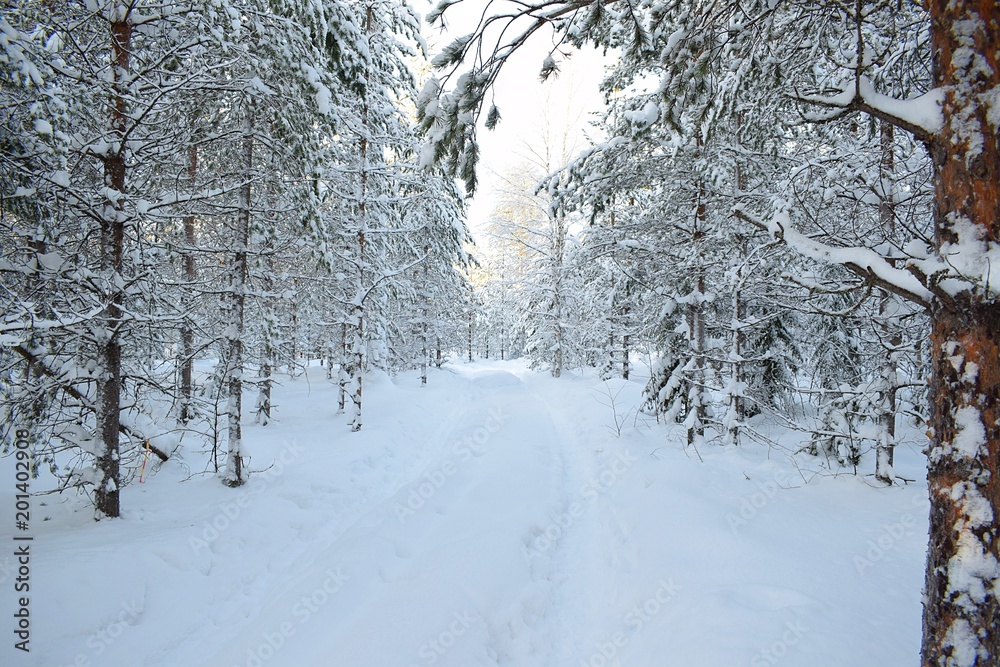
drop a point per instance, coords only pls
(626, 344)
(626, 325)
(737, 407)
(342, 377)
(356, 365)
(558, 250)
(264, 396)
(425, 300)
(737, 400)
(358, 351)
(697, 338)
(187, 330)
(697, 342)
(265, 378)
(109, 385)
(961, 608)
(886, 409)
(237, 306)
(472, 317)
(293, 335)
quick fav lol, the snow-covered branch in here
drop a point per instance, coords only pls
(861, 261)
(921, 116)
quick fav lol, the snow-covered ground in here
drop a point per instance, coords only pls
(495, 517)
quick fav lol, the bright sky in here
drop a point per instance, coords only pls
(525, 104)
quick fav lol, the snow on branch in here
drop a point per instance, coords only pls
(40, 366)
(921, 116)
(863, 262)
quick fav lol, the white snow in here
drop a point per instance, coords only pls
(970, 434)
(490, 518)
(922, 111)
(865, 259)
(43, 126)
(648, 115)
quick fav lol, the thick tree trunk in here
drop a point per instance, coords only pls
(961, 613)
(961, 609)
(106, 498)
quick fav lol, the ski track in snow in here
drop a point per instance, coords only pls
(492, 518)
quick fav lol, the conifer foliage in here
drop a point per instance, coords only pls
(793, 185)
(197, 195)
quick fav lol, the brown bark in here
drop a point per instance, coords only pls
(961, 612)
(112, 232)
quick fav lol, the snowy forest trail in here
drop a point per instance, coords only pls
(458, 542)
(495, 517)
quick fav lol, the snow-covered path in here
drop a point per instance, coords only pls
(442, 566)
(496, 517)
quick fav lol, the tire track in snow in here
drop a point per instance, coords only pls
(590, 534)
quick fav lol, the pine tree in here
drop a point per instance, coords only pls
(831, 59)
